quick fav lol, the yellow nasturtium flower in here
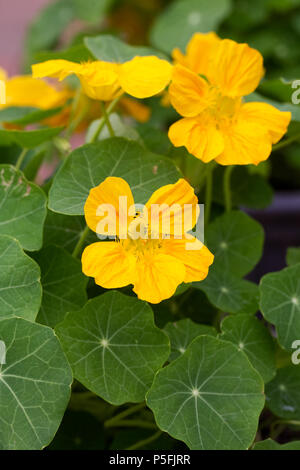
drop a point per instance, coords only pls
(140, 77)
(207, 89)
(23, 90)
(142, 253)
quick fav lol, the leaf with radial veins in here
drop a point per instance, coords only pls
(236, 241)
(252, 337)
(64, 285)
(283, 393)
(20, 287)
(229, 293)
(87, 166)
(210, 397)
(22, 208)
(280, 303)
(35, 385)
(113, 347)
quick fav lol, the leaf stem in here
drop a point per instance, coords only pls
(106, 118)
(286, 142)
(132, 423)
(80, 242)
(208, 191)
(21, 158)
(145, 442)
(131, 410)
(102, 122)
(227, 191)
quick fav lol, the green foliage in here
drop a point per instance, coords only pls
(110, 345)
(34, 385)
(283, 393)
(210, 397)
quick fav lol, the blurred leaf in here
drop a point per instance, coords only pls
(76, 53)
(268, 444)
(28, 139)
(119, 127)
(182, 18)
(111, 49)
(25, 115)
(283, 393)
(91, 10)
(293, 256)
(210, 397)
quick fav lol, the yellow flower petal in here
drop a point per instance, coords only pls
(100, 80)
(110, 265)
(3, 74)
(236, 68)
(245, 143)
(157, 277)
(188, 92)
(142, 77)
(193, 254)
(109, 193)
(55, 68)
(179, 219)
(274, 122)
(199, 136)
(198, 53)
(27, 91)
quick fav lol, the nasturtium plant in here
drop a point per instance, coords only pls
(149, 264)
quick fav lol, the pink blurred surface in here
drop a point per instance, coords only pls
(15, 16)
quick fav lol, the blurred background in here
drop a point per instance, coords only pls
(36, 30)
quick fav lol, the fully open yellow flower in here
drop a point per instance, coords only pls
(207, 87)
(23, 90)
(140, 77)
(154, 261)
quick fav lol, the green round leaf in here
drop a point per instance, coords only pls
(64, 285)
(229, 293)
(180, 20)
(252, 337)
(182, 333)
(283, 393)
(22, 208)
(268, 444)
(280, 303)
(28, 139)
(111, 49)
(21, 290)
(34, 385)
(89, 165)
(236, 241)
(119, 127)
(114, 347)
(210, 397)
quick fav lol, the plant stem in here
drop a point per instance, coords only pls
(21, 158)
(74, 107)
(208, 192)
(132, 423)
(102, 122)
(286, 142)
(124, 414)
(145, 442)
(80, 242)
(227, 191)
(106, 118)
